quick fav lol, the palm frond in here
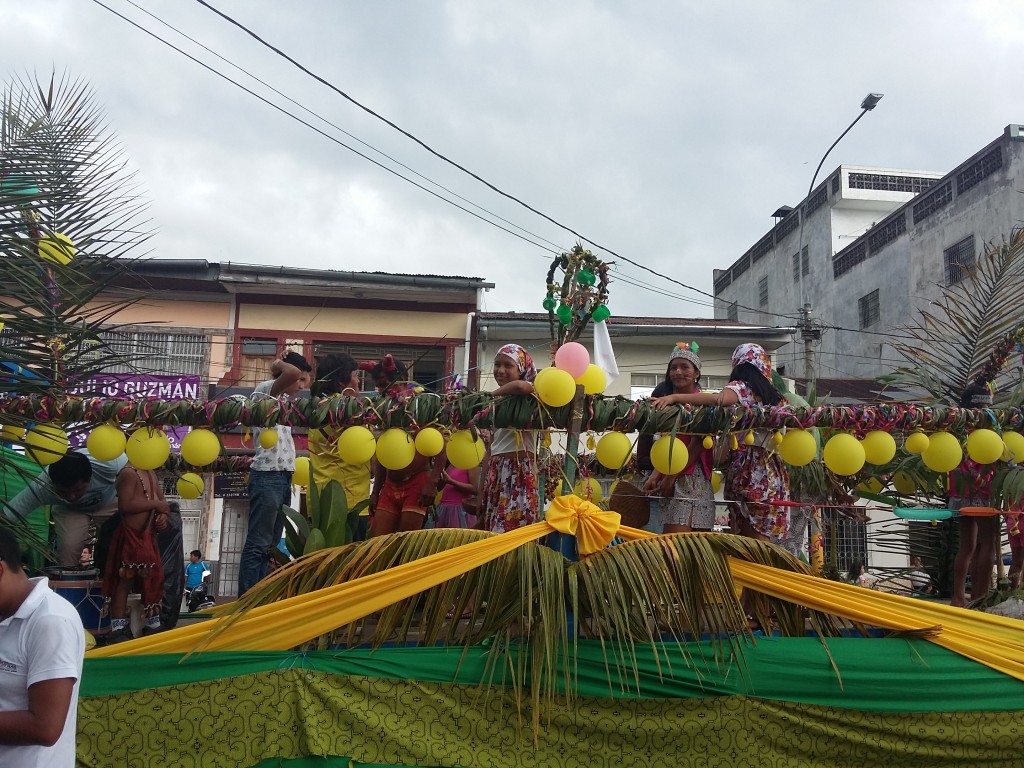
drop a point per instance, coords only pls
(953, 340)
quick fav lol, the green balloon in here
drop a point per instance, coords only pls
(549, 303)
(564, 313)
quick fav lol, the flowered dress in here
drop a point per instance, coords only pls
(511, 499)
(754, 475)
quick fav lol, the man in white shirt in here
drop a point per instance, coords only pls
(270, 476)
(42, 643)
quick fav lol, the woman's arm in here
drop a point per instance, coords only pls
(520, 387)
(725, 397)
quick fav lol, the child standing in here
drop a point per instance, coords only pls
(134, 558)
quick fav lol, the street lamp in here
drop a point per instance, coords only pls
(809, 331)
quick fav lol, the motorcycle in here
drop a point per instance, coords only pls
(198, 599)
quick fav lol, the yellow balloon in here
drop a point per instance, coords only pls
(554, 387)
(46, 443)
(843, 454)
(464, 450)
(356, 445)
(395, 449)
(917, 442)
(748, 439)
(12, 433)
(302, 473)
(201, 447)
(589, 489)
(59, 249)
(429, 441)
(709, 442)
(190, 486)
(594, 380)
(871, 485)
(1015, 446)
(904, 483)
(268, 438)
(106, 442)
(148, 448)
(716, 481)
(614, 450)
(669, 455)
(943, 453)
(879, 447)
(984, 446)
(798, 447)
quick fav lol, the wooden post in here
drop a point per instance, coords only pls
(562, 542)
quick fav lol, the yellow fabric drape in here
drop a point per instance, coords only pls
(299, 619)
(593, 527)
(994, 641)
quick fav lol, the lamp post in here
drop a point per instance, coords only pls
(810, 332)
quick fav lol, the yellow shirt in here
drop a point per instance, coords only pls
(327, 466)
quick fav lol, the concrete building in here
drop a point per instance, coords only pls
(866, 250)
(223, 324)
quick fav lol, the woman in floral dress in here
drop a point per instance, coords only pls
(755, 476)
(511, 499)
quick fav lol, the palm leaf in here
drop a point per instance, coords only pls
(953, 341)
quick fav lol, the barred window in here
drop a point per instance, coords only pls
(787, 225)
(741, 266)
(763, 246)
(796, 267)
(890, 182)
(978, 170)
(881, 236)
(836, 181)
(762, 292)
(933, 201)
(818, 199)
(182, 354)
(723, 282)
(734, 312)
(869, 309)
(848, 258)
(958, 260)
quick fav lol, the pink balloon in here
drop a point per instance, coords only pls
(572, 358)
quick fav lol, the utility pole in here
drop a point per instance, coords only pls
(810, 332)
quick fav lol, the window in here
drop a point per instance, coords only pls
(868, 306)
(885, 234)
(787, 225)
(978, 170)
(258, 347)
(848, 258)
(734, 312)
(958, 260)
(801, 264)
(889, 182)
(643, 384)
(762, 292)
(183, 354)
(933, 201)
(818, 199)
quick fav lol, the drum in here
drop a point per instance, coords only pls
(83, 589)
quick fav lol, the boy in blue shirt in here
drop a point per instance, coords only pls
(197, 570)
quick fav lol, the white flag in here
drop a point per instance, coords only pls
(604, 355)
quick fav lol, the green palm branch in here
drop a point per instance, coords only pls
(955, 342)
(62, 173)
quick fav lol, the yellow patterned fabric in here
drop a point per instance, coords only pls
(593, 527)
(288, 713)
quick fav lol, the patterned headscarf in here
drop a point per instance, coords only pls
(522, 359)
(687, 350)
(756, 356)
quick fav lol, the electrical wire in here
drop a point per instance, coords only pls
(448, 160)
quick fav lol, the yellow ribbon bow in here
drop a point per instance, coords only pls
(593, 527)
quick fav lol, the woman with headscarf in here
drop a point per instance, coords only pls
(510, 497)
(691, 506)
(755, 476)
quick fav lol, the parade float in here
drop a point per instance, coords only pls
(585, 641)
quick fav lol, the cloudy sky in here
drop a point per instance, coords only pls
(667, 132)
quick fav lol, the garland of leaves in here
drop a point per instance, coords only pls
(582, 295)
(470, 410)
(999, 357)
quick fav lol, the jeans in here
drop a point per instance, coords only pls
(268, 492)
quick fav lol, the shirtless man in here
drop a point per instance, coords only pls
(134, 558)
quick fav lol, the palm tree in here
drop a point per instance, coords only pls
(71, 222)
